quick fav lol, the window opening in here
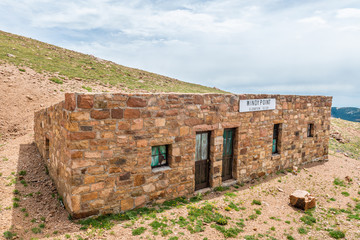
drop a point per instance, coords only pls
(310, 130)
(47, 149)
(159, 156)
(275, 143)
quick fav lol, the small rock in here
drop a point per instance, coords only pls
(280, 190)
(302, 199)
(41, 105)
(10, 55)
(28, 97)
(348, 179)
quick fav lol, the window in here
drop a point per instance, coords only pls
(202, 146)
(159, 156)
(47, 149)
(310, 130)
(275, 143)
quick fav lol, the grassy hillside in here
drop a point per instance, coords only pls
(66, 64)
(349, 132)
(346, 113)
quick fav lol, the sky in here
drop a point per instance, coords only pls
(303, 47)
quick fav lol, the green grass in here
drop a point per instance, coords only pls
(308, 220)
(339, 182)
(346, 194)
(256, 202)
(138, 231)
(66, 64)
(337, 234)
(56, 80)
(89, 89)
(22, 173)
(9, 235)
(302, 230)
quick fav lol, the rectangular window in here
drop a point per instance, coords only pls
(202, 146)
(47, 149)
(159, 156)
(310, 130)
(275, 143)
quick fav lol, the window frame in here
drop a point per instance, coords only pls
(310, 130)
(276, 137)
(159, 154)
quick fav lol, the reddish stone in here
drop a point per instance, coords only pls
(85, 101)
(70, 102)
(82, 135)
(117, 113)
(172, 112)
(100, 114)
(131, 113)
(136, 102)
(198, 99)
(192, 121)
(76, 154)
(139, 180)
(124, 176)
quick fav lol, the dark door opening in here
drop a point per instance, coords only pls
(202, 160)
(228, 147)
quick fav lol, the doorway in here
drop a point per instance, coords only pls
(228, 153)
(202, 160)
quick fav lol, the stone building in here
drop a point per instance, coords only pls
(114, 152)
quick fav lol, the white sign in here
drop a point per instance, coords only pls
(251, 105)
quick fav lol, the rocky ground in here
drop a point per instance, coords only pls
(31, 208)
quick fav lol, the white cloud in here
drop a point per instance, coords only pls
(242, 46)
(348, 13)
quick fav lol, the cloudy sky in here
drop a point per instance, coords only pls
(307, 47)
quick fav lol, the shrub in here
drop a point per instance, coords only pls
(309, 220)
(337, 234)
(9, 235)
(302, 230)
(36, 230)
(256, 202)
(138, 231)
(22, 173)
(346, 194)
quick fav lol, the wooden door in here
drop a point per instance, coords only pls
(202, 160)
(227, 161)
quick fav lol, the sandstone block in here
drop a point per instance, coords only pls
(70, 102)
(127, 204)
(89, 196)
(139, 180)
(117, 113)
(160, 122)
(82, 135)
(149, 188)
(136, 102)
(79, 116)
(100, 114)
(93, 154)
(75, 203)
(131, 113)
(302, 199)
(139, 201)
(85, 101)
(97, 186)
(137, 124)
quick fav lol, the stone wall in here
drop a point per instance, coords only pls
(100, 144)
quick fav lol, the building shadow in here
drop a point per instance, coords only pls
(40, 212)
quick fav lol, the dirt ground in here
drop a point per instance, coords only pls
(40, 210)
